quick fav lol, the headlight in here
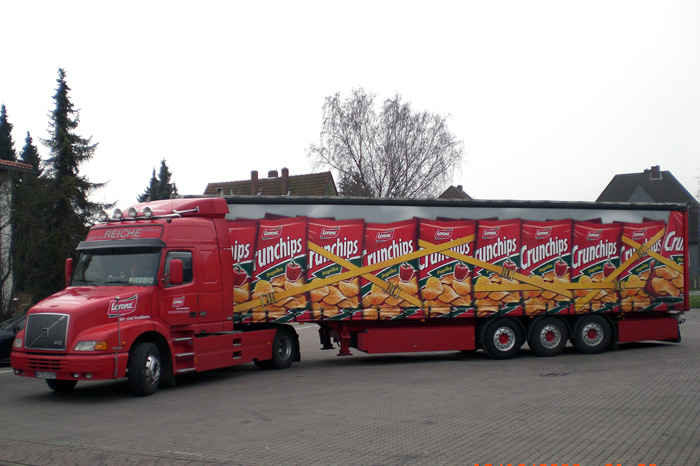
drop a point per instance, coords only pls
(91, 346)
(17, 343)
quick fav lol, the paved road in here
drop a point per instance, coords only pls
(640, 404)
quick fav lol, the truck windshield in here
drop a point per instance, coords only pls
(136, 266)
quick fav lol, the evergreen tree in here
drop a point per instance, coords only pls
(7, 146)
(32, 205)
(30, 154)
(166, 189)
(159, 187)
(68, 151)
(151, 192)
(53, 212)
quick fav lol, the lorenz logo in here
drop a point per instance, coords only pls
(543, 233)
(444, 234)
(639, 234)
(330, 233)
(272, 233)
(121, 307)
(594, 235)
(386, 235)
(490, 233)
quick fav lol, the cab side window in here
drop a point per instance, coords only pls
(186, 258)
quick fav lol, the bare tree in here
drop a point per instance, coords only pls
(393, 153)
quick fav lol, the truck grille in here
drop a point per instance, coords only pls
(46, 332)
(51, 365)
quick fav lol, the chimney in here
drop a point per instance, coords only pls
(655, 172)
(459, 186)
(254, 183)
(272, 174)
(285, 182)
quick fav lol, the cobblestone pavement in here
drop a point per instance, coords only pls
(639, 404)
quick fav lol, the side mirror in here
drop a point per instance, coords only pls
(175, 272)
(68, 271)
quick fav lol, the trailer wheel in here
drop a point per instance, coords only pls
(548, 336)
(502, 339)
(285, 347)
(144, 369)
(592, 334)
(61, 385)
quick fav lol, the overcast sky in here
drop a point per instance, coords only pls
(551, 98)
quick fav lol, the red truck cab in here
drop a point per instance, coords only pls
(150, 296)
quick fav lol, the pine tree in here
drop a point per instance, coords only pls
(30, 154)
(7, 146)
(68, 151)
(166, 189)
(56, 210)
(32, 204)
(151, 192)
(159, 187)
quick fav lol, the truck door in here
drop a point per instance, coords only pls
(178, 303)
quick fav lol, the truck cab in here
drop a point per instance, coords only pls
(147, 292)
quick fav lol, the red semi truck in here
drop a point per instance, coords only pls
(194, 284)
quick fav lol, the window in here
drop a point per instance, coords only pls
(186, 258)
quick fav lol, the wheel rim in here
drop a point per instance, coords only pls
(284, 350)
(550, 336)
(592, 334)
(504, 339)
(152, 373)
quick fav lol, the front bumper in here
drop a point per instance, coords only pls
(69, 366)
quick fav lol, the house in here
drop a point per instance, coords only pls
(7, 169)
(312, 184)
(654, 185)
(455, 193)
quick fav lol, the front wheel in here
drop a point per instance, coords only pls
(144, 369)
(592, 334)
(548, 336)
(285, 347)
(502, 339)
(61, 385)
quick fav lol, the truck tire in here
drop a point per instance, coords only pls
(502, 338)
(592, 334)
(285, 347)
(61, 385)
(144, 369)
(548, 336)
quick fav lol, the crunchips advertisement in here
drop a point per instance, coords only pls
(309, 269)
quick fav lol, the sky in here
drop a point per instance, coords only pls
(551, 98)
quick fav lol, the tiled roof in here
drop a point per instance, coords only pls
(646, 187)
(313, 184)
(10, 165)
(455, 193)
(640, 187)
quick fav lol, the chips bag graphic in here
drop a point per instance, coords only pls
(635, 277)
(280, 268)
(343, 239)
(243, 236)
(498, 243)
(396, 284)
(595, 257)
(446, 282)
(666, 282)
(546, 258)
